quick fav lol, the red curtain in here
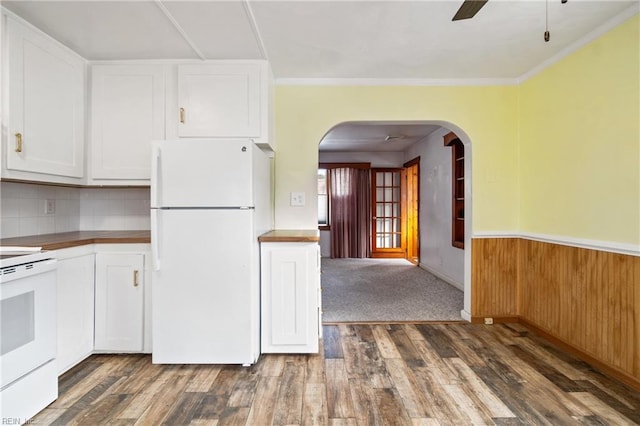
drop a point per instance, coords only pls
(350, 203)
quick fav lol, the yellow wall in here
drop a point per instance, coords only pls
(558, 155)
(488, 116)
(580, 142)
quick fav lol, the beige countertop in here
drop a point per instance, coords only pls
(290, 236)
(78, 238)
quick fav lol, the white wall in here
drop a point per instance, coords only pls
(22, 209)
(437, 255)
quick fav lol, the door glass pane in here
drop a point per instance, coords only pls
(17, 314)
(387, 207)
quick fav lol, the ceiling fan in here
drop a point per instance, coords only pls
(468, 9)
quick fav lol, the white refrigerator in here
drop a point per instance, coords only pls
(210, 200)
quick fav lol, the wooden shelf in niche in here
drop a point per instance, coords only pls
(457, 186)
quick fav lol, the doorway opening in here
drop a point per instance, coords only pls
(410, 194)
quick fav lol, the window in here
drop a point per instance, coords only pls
(457, 189)
(323, 198)
(324, 202)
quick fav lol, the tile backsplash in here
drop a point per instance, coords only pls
(23, 209)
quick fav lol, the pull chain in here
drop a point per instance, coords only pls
(547, 35)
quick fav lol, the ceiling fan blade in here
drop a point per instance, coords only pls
(469, 9)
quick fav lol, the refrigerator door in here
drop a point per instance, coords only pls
(206, 290)
(202, 173)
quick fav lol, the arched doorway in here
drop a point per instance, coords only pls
(370, 142)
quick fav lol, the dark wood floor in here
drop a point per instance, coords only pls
(396, 374)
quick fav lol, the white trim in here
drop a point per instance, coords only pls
(582, 41)
(171, 61)
(496, 234)
(179, 28)
(254, 28)
(608, 246)
(443, 277)
(465, 315)
(396, 82)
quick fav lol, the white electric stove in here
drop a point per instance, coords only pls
(28, 371)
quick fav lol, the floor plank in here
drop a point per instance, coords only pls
(365, 374)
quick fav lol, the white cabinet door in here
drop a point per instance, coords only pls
(75, 310)
(127, 113)
(46, 106)
(290, 284)
(219, 100)
(119, 302)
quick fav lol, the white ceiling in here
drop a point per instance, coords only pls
(326, 39)
(405, 40)
(375, 136)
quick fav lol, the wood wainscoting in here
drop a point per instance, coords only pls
(494, 274)
(588, 300)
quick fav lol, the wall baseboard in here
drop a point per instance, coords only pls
(443, 277)
(496, 320)
(622, 376)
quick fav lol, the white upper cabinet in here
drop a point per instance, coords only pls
(226, 99)
(127, 113)
(45, 108)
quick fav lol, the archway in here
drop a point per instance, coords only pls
(394, 131)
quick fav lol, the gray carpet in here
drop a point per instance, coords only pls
(366, 290)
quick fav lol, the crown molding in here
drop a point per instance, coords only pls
(396, 82)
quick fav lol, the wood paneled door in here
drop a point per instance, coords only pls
(386, 206)
(412, 209)
(395, 211)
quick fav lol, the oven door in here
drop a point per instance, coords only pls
(27, 320)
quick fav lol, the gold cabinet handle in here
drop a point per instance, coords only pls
(18, 142)
(182, 115)
(135, 278)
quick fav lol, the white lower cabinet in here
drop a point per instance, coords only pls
(75, 307)
(290, 300)
(119, 316)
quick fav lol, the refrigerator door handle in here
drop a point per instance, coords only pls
(155, 243)
(155, 175)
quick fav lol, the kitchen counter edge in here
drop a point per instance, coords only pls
(290, 236)
(64, 240)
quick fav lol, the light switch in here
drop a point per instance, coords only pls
(297, 199)
(50, 207)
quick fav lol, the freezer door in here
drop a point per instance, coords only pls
(202, 173)
(206, 291)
